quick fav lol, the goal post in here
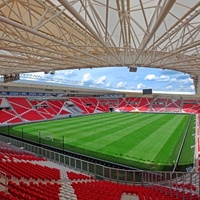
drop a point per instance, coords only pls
(45, 135)
(49, 138)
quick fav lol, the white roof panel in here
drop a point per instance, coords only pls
(58, 34)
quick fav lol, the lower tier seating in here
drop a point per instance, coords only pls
(40, 179)
(105, 190)
(31, 190)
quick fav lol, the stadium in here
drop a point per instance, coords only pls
(60, 140)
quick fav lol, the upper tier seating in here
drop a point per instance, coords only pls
(43, 109)
(19, 104)
(82, 104)
(128, 104)
(191, 106)
(9, 116)
(158, 105)
(104, 105)
(173, 105)
(44, 113)
(22, 109)
(58, 106)
(90, 104)
(144, 104)
(196, 107)
(32, 115)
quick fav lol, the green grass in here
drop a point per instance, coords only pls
(148, 141)
(188, 152)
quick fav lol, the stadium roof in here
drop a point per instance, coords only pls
(49, 35)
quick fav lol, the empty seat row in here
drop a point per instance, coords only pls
(42, 191)
(78, 176)
(105, 190)
(28, 170)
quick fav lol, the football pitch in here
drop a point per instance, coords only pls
(147, 141)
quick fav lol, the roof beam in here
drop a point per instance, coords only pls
(106, 28)
(30, 30)
(172, 53)
(169, 4)
(186, 15)
(40, 62)
(48, 51)
(68, 6)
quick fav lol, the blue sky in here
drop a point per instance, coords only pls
(120, 78)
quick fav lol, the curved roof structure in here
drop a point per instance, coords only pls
(46, 35)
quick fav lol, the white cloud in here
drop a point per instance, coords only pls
(121, 84)
(186, 81)
(163, 78)
(140, 86)
(169, 87)
(87, 78)
(173, 80)
(80, 83)
(153, 77)
(101, 80)
(150, 77)
(69, 73)
(108, 84)
(181, 81)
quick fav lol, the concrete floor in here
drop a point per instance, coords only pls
(129, 197)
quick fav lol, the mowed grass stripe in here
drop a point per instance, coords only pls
(65, 127)
(153, 143)
(62, 124)
(111, 131)
(59, 127)
(108, 120)
(171, 147)
(126, 135)
(88, 131)
(122, 139)
(131, 140)
(72, 125)
(187, 155)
